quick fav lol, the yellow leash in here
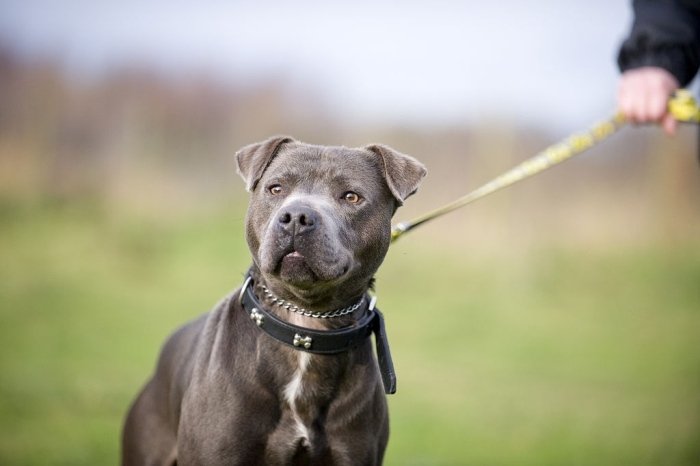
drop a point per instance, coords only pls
(682, 106)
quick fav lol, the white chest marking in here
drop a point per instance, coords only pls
(292, 391)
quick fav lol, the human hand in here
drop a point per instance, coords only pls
(643, 95)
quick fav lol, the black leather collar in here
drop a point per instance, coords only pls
(324, 341)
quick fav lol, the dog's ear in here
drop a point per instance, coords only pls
(253, 159)
(402, 172)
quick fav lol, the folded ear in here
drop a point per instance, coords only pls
(402, 172)
(253, 159)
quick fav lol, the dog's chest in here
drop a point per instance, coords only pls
(306, 393)
(293, 392)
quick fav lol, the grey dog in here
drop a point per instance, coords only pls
(282, 370)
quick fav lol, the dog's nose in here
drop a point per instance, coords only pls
(298, 219)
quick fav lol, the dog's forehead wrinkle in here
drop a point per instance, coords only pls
(349, 174)
(325, 162)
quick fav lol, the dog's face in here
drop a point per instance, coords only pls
(320, 217)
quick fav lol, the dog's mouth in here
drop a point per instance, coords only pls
(293, 260)
(294, 268)
(297, 268)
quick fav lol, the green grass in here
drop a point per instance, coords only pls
(557, 356)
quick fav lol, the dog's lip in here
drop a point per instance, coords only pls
(295, 255)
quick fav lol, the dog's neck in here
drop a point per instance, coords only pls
(334, 308)
(334, 337)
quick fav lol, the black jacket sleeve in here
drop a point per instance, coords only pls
(665, 33)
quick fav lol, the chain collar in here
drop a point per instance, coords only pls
(324, 341)
(317, 315)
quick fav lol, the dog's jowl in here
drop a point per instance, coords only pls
(282, 371)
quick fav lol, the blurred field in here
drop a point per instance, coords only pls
(555, 323)
(551, 357)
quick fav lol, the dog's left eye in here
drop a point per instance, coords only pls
(352, 198)
(275, 189)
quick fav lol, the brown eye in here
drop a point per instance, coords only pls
(351, 197)
(275, 189)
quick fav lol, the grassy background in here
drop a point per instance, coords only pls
(552, 355)
(554, 323)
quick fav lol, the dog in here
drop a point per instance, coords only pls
(282, 371)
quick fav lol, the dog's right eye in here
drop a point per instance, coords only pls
(275, 189)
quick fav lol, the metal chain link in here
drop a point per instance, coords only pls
(317, 315)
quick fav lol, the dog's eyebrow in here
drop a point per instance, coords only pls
(289, 175)
(347, 182)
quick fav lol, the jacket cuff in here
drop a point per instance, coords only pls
(681, 61)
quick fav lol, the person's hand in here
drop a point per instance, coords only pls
(643, 96)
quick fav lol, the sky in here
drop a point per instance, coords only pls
(544, 62)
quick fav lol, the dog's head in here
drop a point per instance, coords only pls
(320, 217)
